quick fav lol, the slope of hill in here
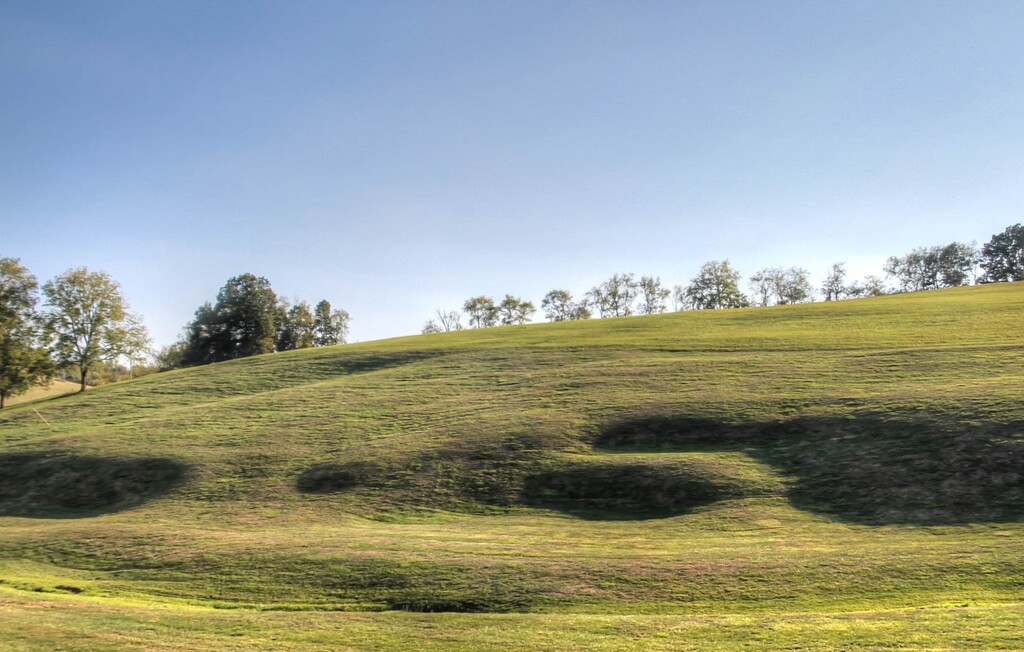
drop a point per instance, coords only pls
(831, 458)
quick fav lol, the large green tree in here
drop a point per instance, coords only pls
(241, 323)
(23, 362)
(716, 286)
(88, 321)
(1002, 257)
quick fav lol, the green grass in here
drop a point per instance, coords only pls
(846, 475)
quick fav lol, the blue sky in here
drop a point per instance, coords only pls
(397, 157)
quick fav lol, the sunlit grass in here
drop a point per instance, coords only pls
(831, 475)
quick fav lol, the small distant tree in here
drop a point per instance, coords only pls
(1002, 257)
(481, 311)
(615, 297)
(514, 310)
(558, 305)
(23, 361)
(89, 322)
(834, 288)
(429, 327)
(762, 286)
(679, 299)
(330, 325)
(652, 295)
(793, 286)
(871, 286)
(447, 321)
(716, 287)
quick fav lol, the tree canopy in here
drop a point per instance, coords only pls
(715, 287)
(88, 321)
(1002, 257)
(23, 361)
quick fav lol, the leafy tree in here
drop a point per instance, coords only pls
(89, 322)
(330, 326)
(781, 286)
(615, 297)
(243, 322)
(679, 298)
(430, 327)
(793, 286)
(927, 268)
(958, 264)
(513, 310)
(171, 356)
(295, 328)
(482, 311)
(762, 284)
(1002, 257)
(652, 295)
(715, 287)
(23, 363)
(558, 305)
(834, 288)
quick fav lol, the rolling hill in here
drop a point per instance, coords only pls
(839, 475)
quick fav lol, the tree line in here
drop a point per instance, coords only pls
(81, 325)
(717, 286)
(84, 325)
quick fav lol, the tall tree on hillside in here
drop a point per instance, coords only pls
(1002, 257)
(89, 322)
(23, 362)
(243, 322)
(716, 287)
(558, 305)
(330, 325)
(652, 295)
(482, 311)
(514, 310)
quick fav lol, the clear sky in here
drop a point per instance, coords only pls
(397, 157)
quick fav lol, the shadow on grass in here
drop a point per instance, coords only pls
(867, 469)
(42, 485)
(367, 363)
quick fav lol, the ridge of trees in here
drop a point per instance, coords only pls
(717, 286)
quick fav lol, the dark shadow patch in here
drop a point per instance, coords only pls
(625, 490)
(661, 432)
(452, 602)
(44, 485)
(367, 363)
(868, 469)
(336, 478)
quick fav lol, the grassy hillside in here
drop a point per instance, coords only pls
(628, 483)
(55, 388)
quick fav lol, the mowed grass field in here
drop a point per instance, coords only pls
(841, 475)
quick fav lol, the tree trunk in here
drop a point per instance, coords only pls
(2, 397)
(85, 372)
